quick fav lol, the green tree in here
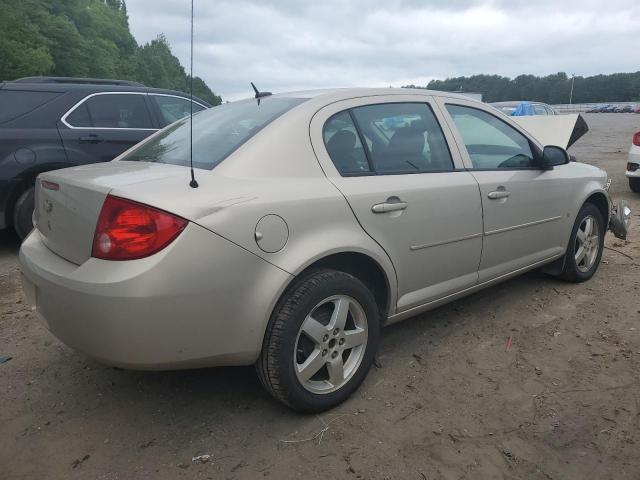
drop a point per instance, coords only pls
(85, 38)
(553, 89)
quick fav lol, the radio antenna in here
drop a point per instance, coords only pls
(192, 183)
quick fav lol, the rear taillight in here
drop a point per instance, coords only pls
(636, 139)
(127, 230)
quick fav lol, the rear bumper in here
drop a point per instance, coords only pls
(202, 301)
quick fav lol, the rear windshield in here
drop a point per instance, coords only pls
(14, 103)
(217, 132)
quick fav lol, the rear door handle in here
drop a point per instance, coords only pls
(498, 194)
(389, 207)
(90, 139)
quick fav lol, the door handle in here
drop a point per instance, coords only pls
(498, 194)
(389, 207)
(90, 139)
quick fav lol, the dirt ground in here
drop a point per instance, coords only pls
(448, 400)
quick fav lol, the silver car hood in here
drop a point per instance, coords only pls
(559, 130)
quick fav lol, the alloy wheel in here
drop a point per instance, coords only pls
(331, 344)
(587, 244)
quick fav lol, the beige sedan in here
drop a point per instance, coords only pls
(318, 218)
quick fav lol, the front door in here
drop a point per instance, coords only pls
(392, 163)
(104, 125)
(525, 208)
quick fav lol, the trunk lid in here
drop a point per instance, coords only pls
(68, 201)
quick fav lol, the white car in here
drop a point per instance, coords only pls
(633, 164)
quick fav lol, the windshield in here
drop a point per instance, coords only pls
(217, 132)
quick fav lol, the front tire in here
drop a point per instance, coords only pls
(23, 213)
(585, 245)
(320, 341)
(634, 184)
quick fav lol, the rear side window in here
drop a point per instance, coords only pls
(490, 142)
(217, 132)
(111, 111)
(175, 108)
(15, 103)
(397, 137)
(344, 146)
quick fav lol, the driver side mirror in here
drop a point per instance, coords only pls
(553, 156)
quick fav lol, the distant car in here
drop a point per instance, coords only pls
(633, 164)
(530, 108)
(609, 109)
(319, 217)
(48, 123)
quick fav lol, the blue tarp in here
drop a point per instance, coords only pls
(523, 108)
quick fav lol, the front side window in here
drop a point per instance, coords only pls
(490, 142)
(217, 132)
(175, 108)
(389, 138)
(111, 111)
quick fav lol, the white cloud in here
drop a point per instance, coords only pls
(289, 45)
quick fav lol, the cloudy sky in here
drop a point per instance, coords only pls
(297, 44)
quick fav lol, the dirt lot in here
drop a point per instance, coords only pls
(447, 401)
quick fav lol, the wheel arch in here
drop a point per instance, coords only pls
(359, 264)
(601, 201)
(22, 181)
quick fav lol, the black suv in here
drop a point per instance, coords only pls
(50, 122)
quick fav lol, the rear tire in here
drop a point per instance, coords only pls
(634, 184)
(320, 341)
(585, 245)
(23, 213)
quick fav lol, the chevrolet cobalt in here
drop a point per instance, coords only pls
(318, 218)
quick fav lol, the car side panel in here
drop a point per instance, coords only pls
(435, 244)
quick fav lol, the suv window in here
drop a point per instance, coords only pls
(112, 111)
(343, 144)
(398, 138)
(14, 103)
(490, 142)
(175, 108)
(217, 132)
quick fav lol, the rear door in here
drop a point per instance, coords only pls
(525, 208)
(391, 160)
(105, 124)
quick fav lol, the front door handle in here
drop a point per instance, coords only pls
(498, 194)
(90, 139)
(389, 206)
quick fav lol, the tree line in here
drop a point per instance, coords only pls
(552, 89)
(86, 38)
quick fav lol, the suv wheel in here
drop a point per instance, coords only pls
(23, 213)
(320, 342)
(585, 245)
(634, 184)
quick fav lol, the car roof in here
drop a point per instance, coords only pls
(323, 97)
(346, 93)
(514, 103)
(89, 88)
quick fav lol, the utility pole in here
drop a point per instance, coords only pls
(573, 77)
